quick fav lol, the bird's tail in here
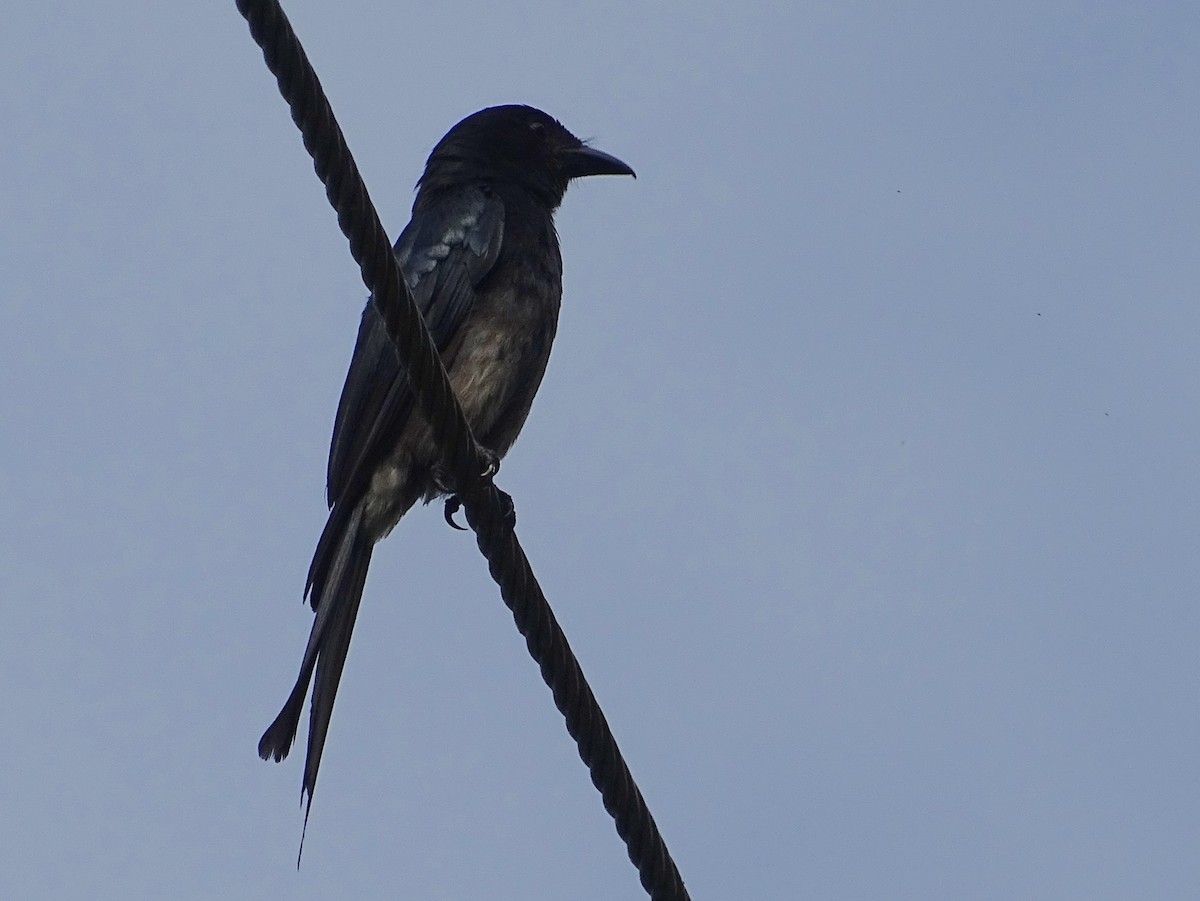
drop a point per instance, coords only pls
(335, 583)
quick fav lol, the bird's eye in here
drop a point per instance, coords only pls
(538, 129)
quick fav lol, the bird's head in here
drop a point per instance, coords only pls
(516, 145)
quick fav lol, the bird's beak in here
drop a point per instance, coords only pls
(583, 160)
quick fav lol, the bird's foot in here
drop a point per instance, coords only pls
(508, 510)
(445, 485)
(444, 481)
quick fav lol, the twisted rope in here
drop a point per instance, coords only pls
(371, 249)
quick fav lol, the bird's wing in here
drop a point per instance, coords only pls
(445, 252)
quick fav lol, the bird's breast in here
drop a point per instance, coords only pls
(504, 351)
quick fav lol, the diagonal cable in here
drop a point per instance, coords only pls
(466, 460)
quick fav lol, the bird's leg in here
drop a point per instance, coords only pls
(441, 479)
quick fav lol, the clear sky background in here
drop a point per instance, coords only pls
(864, 478)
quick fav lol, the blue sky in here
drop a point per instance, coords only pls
(863, 479)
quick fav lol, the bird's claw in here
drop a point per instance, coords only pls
(491, 463)
(453, 505)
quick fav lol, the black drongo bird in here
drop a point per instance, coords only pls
(481, 257)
